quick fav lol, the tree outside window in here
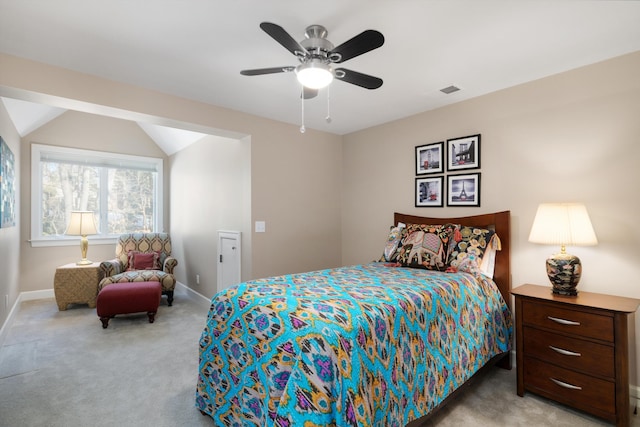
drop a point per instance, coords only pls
(123, 191)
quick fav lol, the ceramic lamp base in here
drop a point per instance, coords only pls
(564, 271)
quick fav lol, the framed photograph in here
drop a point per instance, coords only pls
(463, 153)
(429, 158)
(429, 191)
(463, 190)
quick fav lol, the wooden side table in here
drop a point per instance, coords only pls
(77, 284)
(575, 350)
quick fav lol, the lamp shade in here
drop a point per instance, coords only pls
(565, 224)
(82, 223)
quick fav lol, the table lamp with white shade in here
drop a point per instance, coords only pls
(564, 224)
(82, 223)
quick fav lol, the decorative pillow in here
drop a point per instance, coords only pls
(479, 244)
(468, 265)
(391, 249)
(143, 261)
(425, 246)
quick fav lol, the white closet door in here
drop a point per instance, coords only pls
(229, 259)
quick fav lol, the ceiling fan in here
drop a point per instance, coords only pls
(317, 55)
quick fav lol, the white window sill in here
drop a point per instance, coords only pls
(68, 241)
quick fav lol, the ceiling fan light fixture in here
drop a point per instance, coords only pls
(314, 74)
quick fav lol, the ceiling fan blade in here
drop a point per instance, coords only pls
(363, 80)
(273, 70)
(308, 93)
(281, 36)
(362, 43)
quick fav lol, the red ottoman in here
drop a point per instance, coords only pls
(132, 297)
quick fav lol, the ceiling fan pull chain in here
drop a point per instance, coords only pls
(328, 118)
(302, 128)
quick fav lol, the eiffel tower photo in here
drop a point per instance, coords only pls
(464, 190)
(463, 194)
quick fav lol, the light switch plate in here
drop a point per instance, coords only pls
(260, 227)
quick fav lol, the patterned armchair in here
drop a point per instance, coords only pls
(151, 253)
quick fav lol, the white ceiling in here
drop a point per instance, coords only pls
(196, 48)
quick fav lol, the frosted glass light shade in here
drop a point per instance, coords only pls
(314, 74)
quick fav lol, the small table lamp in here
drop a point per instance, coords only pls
(563, 224)
(82, 223)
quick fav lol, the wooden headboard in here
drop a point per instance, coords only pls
(502, 223)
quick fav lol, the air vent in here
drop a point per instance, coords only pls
(450, 89)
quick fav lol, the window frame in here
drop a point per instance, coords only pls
(107, 158)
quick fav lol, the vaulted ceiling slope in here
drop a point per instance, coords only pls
(195, 49)
(29, 116)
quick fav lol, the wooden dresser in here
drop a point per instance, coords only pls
(575, 350)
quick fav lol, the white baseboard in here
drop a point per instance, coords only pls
(22, 296)
(33, 295)
(635, 393)
(197, 294)
(4, 331)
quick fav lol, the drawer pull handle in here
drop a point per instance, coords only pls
(565, 385)
(564, 352)
(563, 321)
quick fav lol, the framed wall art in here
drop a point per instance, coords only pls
(463, 190)
(7, 186)
(463, 153)
(430, 158)
(429, 191)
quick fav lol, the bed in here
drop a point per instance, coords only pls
(377, 344)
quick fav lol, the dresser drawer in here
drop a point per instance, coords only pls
(568, 321)
(580, 391)
(572, 353)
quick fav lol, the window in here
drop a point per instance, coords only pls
(124, 191)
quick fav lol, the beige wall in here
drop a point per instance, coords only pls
(77, 130)
(295, 178)
(570, 137)
(210, 191)
(10, 236)
(290, 181)
(296, 183)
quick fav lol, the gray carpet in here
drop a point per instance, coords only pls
(60, 368)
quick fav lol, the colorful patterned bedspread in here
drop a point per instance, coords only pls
(366, 345)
